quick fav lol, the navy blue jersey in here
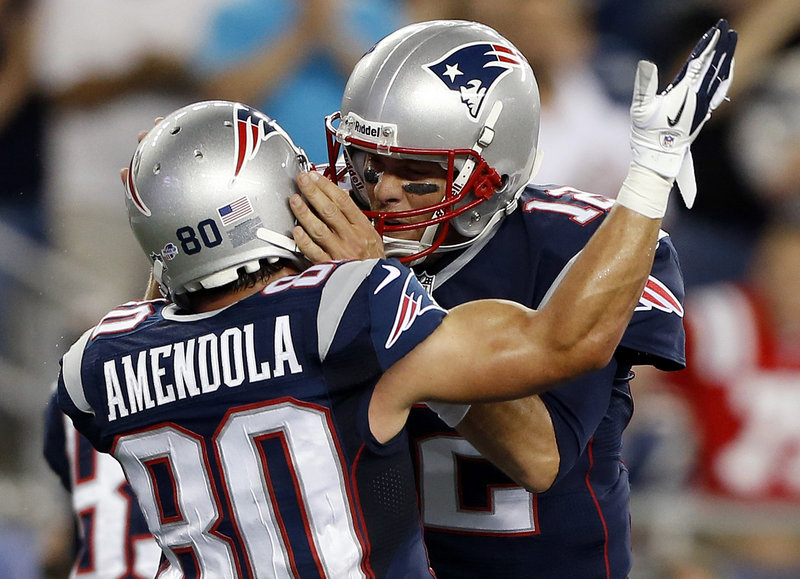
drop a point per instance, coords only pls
(244, 431)
(113, 540)
(477, 522)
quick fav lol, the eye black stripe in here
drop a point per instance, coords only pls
(420, 188)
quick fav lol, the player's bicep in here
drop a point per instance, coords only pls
(476, 354)
(482, 351)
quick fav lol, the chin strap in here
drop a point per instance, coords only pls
(404, 247)
(283, 247)
(158, 274)
(277, 239)
(484, 140)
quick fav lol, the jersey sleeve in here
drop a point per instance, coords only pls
(559, 223)
(54, 449)
(71, 397)
(402, 312)
(577, 408)
(655, 335)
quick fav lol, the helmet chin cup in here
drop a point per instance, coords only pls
(413, 252)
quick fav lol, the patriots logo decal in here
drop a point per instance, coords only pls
(408, 310)
(130, 187)
(252, 128)
(472, 69)
(657, 296)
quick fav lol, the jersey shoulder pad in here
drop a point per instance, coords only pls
(337, 294)
(71, 365)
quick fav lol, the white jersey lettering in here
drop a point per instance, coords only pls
(229, 359)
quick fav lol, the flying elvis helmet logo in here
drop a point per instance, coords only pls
(473, 69)
(252, 128)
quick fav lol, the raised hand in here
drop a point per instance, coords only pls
(664, 125)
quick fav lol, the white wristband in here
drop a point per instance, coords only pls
(645, 191)
(450, 414)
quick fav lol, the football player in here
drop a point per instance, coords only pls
(439, 125)
(259, 412)
(113, 541)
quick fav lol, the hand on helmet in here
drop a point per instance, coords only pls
(330, 224)
(664, 125)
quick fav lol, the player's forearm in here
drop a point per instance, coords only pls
(518, 437)
(606, 281)
(595, 300)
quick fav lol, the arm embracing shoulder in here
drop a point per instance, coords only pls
(518, 437)
(493, 350)
(487, 350)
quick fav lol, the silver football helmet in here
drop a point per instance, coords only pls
(207, 194)
(452, 91)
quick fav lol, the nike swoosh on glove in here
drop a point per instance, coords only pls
(664, 125)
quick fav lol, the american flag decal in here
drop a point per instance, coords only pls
(235, 210)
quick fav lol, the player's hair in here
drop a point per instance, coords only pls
(192, 301)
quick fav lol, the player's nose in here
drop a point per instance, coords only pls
(388, 190)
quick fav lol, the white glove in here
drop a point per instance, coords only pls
(664, 125)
